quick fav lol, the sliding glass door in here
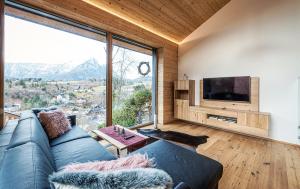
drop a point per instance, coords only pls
(53, 61)
(132, 84)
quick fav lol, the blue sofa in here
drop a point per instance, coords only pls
(27, 157)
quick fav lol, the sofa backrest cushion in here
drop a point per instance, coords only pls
(5, 136)
(36, 111)
(25, 167)
(29, 129)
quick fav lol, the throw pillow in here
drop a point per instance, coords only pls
(55, 123)
(129, 162)
(140, 178)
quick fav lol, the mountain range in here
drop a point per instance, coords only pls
(89, 69)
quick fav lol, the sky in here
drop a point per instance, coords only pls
(27, 42)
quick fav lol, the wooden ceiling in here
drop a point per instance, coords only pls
(171, 19)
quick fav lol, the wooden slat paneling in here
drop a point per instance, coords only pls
(174, 20)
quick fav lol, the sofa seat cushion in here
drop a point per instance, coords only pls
(184, 165)
(79, 151)
(75, 133)
(25, 167)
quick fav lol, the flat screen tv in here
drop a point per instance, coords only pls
(227, 88)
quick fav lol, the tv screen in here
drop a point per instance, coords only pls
(227, 88)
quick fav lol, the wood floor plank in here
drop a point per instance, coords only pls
(293, 167)
(248, 162)
(260, 168)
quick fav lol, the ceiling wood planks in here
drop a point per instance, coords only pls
(171, 19)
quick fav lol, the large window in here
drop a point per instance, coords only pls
(49, 67)
(132, 84)
(53, 61)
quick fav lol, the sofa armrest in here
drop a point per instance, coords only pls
(72, 119)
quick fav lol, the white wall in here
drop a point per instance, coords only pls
(259, 38)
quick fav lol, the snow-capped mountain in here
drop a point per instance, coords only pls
(89, 69)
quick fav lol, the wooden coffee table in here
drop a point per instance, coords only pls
(123, 146)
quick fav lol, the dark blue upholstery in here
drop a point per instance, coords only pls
(184, 165)
(4, 141)
(27, 158)
(5, 136)
(2, 152)
(73, 134)
(25, 166)
(9, 127)
(182, 185)
(81, 150)
(29, 129)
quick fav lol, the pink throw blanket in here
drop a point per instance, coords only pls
(134, 161)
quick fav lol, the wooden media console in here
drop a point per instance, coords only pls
(241, 117)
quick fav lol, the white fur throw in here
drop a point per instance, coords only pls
(139, 178)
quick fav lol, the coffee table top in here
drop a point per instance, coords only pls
(108, 134)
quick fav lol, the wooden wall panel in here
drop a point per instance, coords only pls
(1, 64)
(170, 75)
(160, 85)
(167, 74)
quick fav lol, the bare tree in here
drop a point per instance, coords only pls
(121, 64)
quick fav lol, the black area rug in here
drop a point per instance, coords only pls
(183, 138)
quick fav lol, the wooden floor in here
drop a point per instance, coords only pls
(248, 162)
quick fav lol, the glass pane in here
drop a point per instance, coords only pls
(132, 86)
(48, 67)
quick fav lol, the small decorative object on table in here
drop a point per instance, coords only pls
(124, 139)
(123, 132)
